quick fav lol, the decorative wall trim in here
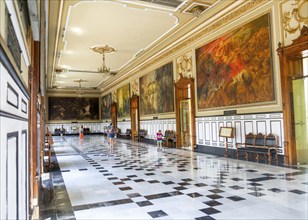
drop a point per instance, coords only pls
(152, 126)
(12, 40)
(211, 28)
(208, 127)
(24, 133)
(10, 136)
(24, 106)
(12, 96)
(295, 17)
(8, 65)
(12, 116)
(73, 128)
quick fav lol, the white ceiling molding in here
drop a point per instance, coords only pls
(34, 19)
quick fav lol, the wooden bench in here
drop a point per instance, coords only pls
(47, 149)
(141, 134)
(259, 145)
(86, 131)
(169, 138)
(127, 134)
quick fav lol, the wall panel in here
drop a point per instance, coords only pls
(207, 132)
(152, 126)
(14, 152)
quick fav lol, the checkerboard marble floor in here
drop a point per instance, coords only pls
(137, 182)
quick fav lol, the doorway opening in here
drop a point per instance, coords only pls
(300, 113)
(185, 114)
(185, 123)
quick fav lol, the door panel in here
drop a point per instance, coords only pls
(300, 93)
(135, 118)
(185, 121)
(185, 113)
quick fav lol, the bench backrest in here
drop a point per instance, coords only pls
(250, 139)
(142, 132)
(271, 140)
(260, 141)
(167, 132)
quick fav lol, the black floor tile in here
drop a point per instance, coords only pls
(168, 182)
(276, 190)
(139, 180)
(296, 191)
(209, 211)
(200, 184)
(133, 195)
(236, 187)
(153, 181)
(179, 188)
(257, 194)
(184, 184)
(83, 169)
(194, 195)
(214, 196)
(205, 218)
(235, 198)
(216, 191)
(125, 188)
(212, 203)
(157, 214)
(144, 203)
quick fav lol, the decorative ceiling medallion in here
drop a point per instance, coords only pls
(103, 49)
(196, 9)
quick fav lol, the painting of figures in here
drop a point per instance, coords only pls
(157, 91)
(123, 101)
(106, 107)
(73, 108)
(236, 69)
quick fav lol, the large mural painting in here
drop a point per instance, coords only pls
(236, 69)
(106, 107)
(157, 91)
(73, 108)
(123, 101)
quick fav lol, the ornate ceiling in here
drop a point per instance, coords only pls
(137, 30)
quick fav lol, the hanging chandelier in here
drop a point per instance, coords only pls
(79, 90)
(103, 49)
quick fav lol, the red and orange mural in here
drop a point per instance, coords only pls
(236, 68)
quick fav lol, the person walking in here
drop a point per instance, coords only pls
(159, 140)
(62, 131)
(81, 132)
(111, 135)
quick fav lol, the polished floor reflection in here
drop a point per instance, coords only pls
(137, 182)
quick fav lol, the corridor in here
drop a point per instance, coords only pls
(137, 182)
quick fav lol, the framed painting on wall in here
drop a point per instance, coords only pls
(236, 68)
(157, 91)
(123, 101)
(106, 107)
(73, 108)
